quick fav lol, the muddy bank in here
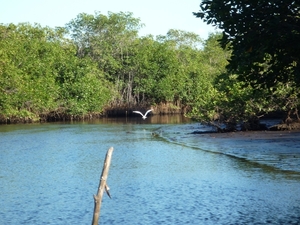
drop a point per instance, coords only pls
(276, 149)
(266, 150)
(257, 135)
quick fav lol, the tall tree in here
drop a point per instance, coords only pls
(264, 36)
(41, 76)
(205, 96)
(108, 40)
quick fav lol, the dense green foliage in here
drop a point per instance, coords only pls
(99, 61)
(96, 61)
(41, 77)
(263, 37)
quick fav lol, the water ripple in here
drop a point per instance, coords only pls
(49, 173)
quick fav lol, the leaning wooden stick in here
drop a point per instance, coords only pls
(102, 186)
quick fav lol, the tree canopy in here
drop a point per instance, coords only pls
(94, 62)
(264, 37)
(98, 62)
(41, 77)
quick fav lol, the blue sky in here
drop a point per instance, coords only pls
(158, 15)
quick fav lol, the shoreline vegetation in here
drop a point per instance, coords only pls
(97, 66)
(161, 109)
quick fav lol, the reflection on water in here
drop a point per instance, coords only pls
(49, 173)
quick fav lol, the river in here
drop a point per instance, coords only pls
(162, 172)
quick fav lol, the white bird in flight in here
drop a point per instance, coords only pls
(144, 116)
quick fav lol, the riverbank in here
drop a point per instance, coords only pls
(272, 150)
(256, 135)
(276, 149)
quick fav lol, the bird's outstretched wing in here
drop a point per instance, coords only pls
(148, 112)
(138, 112)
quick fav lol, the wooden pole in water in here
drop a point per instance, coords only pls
(102, 186)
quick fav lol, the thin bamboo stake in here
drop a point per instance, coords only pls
(102, 186)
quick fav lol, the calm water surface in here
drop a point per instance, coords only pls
(161, 173)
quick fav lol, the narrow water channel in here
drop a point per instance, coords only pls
(160, 174)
